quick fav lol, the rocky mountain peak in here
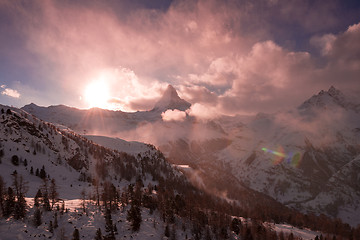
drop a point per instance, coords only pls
(171, 100)
(329, 99)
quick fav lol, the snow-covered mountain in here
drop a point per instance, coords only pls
(333, 98)
(104, 184)
(217, 152)
(306, 158)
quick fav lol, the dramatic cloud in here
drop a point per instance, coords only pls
(173, 115)
(9, 92)
(342, 60)
(229, 56)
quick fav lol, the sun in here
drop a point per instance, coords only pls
(97, 94)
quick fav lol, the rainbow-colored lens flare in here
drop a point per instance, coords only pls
(279, 156)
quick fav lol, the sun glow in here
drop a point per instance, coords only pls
(97, 94)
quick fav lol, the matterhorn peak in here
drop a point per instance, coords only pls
(171, 100)
(170, 93)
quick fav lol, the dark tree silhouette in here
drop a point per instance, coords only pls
(109, 227)
(76, 234)
(37, 217)
(42, 173)
(98, 235)
(134, 216)
(9, 202)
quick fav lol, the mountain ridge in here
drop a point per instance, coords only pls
(331, 98)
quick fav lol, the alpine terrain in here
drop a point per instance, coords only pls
(305, 159)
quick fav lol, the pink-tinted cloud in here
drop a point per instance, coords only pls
(222, 56)
(203, 112)
(343, 60)
(173, 115)
(9, 92)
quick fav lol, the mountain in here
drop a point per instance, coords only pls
(71, 184)
(306, 158)
(295, 157)
(171, 100)
(333, 98)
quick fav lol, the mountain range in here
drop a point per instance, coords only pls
(268, 167)
(306, 158)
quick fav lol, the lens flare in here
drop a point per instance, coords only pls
(293, 159)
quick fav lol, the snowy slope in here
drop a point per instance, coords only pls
(65, 155)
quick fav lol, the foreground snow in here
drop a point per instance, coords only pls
(152, 227)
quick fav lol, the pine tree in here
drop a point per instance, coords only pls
(32, 170)
(37, 217)
(54, 195)
(56, 221)
(76, 235)
(20, 208)
(9, 202)
(51, 227)
(45, 194)
(134, 216)
(20, 190)
(291, 236)
(167, 231)
(42, 173)
(109, 227)
(98, 235)
(235, 225)
(38, 198)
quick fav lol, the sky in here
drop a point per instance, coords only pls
(225, 57)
